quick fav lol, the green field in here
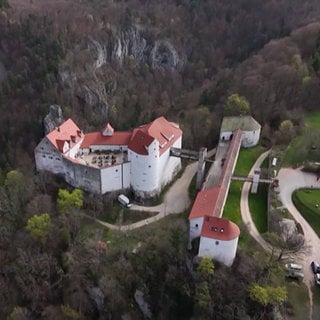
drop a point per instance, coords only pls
(298, 301)
(259, 207)
(313, 120)
(247, 158)
(306, 146)
(307, 202)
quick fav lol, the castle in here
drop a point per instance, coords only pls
(140, 160)
(218, 237)
(110, 160)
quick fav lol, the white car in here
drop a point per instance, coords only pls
(317, 279)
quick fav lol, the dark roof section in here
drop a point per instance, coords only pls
(219, 229)
(244, 123)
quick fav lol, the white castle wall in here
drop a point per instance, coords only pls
(195, 226)
(169, 166)
(74, 150)
(250, 138)
(144, 171)
(48, 158)
(226, 135)
(111, 178)
(126, 175)
(107, 147)
(82, 176)
(222, 251)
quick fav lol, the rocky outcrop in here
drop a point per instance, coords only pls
(101, 51)
(53, 119)
(97, 297)
(86, 73)
(139, 44)
(95, 96)
(143, 305)
(66, 76)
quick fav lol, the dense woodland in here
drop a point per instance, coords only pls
(263, 55)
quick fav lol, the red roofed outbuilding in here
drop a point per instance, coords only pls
(219, 239)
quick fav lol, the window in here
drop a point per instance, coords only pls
(43, 156)
(222, 230)
(149, 166)
(116, 170)
(196, 225)
(217, 242)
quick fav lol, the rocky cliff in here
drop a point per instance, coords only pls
(95, 81)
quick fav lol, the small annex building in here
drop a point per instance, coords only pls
(111, 160)
(247, 124)
(219, 239)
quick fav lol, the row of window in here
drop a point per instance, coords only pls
(50, 157)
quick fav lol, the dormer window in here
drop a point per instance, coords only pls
(167, 137)
(163, 144)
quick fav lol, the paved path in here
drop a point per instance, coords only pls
(244, 206)
(290, 180)
(175, 201)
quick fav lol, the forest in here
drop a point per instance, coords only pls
(129, 62)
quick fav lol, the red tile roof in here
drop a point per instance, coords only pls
(209, 202)
(140, 138)
(140, 142)
(64, 133)
(231, 158)
(167, 133)
(219, 229)
(96, 138)
(204, 203)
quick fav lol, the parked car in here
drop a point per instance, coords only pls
(124, 201)
(293, 267)
(315, 266)
(317, 279)
(295, 274)
(294, 270)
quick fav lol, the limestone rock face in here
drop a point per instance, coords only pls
(53, 119)
(143, 305)
(139, 44)
(95, 96)
(89, 74)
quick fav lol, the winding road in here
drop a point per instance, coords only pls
(289, 180)
(177, 200)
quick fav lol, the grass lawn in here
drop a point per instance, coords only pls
(300, 149)
(316, 302)
(306, 200)
(131, 216)
(313, 120)
(259, 207)
(298, 306)
(232, 207)
(247, 158)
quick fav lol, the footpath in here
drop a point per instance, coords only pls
(176, 200)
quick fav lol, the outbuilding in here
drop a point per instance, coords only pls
(248, 125)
